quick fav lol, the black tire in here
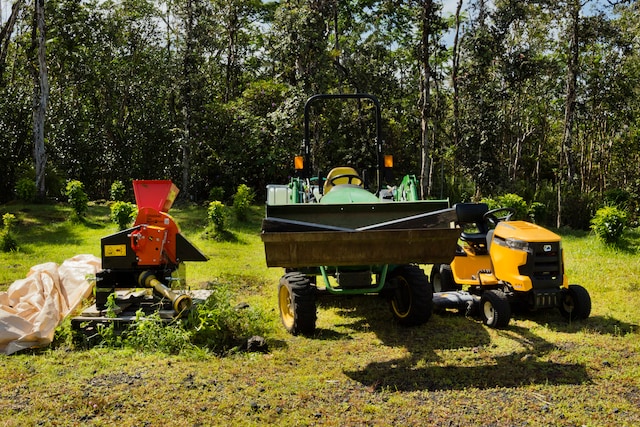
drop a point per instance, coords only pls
(297, 303)
(575, 303)
(442, 279)
(412, 298)
(495, 309)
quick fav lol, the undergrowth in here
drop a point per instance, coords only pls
(215, 325)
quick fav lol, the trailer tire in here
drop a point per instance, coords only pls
(575, 303)
(495, 308)
(442, 278)
(297, 303)
(412, 298)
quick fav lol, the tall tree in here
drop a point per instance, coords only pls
(40, 95)
(429, 31)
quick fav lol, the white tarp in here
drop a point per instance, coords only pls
(33, 307)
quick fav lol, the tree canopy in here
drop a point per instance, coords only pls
(539, 98)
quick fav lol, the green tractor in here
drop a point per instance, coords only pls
(333, 234)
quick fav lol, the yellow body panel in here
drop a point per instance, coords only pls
(506, 263)
(526, 231)
(466, 269)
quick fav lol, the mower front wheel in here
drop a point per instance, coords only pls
(297, 303)
(575, 303)
(412, 298)
(495, 308)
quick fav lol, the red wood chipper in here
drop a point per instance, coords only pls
(140, 264)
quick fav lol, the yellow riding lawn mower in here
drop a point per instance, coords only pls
(503, 265)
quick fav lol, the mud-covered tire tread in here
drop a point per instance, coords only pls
(421, 298)
(581, 300)
(303, 297)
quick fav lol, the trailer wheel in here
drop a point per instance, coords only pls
(297, 303)
(412, 298)
(495, 309)
(442, 278)
(575, 303)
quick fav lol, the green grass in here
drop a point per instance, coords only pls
(360, 369)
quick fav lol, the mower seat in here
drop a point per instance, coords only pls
(471, 215)
(353, 178)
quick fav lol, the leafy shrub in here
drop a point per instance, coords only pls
(26, 190)
(7, 242)
(123, 213)
(242, 201)
(514, 202)
(491, 203)
(78, 199)
(151, 333)
(214, 325)
(219, 326)
(609, 223)
(216, 193)
(215, 215)
(117, 191)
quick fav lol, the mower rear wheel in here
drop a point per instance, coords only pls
(297, 303)
(575, 303)
(412, 298)
(442, 278)
(495, 308)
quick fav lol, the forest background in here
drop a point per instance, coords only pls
(538, 98)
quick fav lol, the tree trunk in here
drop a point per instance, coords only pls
(40, 98)
(5, 34)
(455, 66)
(187, 94)
(425, 104)
(570, 102)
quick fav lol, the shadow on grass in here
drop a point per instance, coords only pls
(449, 352)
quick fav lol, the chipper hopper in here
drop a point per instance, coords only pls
(358, 241)
(141, 264)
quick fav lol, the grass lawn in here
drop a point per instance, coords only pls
(361, 368)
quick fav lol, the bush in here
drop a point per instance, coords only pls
(514, 202)
(77, 197)
(215, 215)
(242, 201)
(609, 223)
(117, 191)
(26, 190)
(220, 326)
(7, 242)
(123, 213)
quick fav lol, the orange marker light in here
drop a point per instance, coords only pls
(388, 161)
(299, 162)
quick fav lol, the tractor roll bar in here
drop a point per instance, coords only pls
(307, 138)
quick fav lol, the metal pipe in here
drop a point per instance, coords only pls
(181, 302)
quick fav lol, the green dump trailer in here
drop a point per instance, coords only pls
(335, 234)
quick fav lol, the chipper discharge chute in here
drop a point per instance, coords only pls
(355, 240)
(141, 264)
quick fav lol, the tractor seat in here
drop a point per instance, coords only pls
(351, 177)
(471, 216)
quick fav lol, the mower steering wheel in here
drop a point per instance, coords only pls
(349, 176)
(494, 219)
